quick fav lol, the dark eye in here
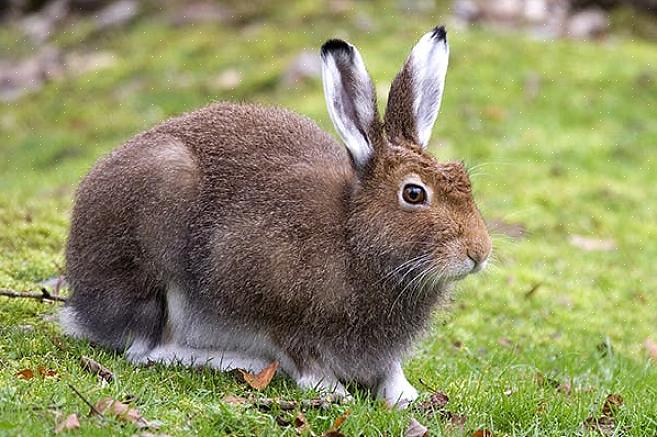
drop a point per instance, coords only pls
(414, 194)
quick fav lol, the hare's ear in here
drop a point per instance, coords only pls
(351, 99)
(416, 92)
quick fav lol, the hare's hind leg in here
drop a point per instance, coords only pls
(114, 311)
(175, 354)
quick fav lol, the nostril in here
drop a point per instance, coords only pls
(474, 259)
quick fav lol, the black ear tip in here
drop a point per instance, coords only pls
(336, 46)
(439, 33)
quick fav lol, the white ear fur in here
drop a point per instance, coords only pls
(427, 65)
(350, 97)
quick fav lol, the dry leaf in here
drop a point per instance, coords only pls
(235, 400)
(482, 433)
(651, 347)
(604, 425)
(592, 244)
(46, 372)
(301, 424)
(435, 404)
(112, 407)
(457, 420)
(334, 431)
(25, 374)
(263, 378)
(416, 429)
(96, 368)
(70, 422)
(612, 404)
(505, 342)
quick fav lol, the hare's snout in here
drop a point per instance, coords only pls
(471, 257)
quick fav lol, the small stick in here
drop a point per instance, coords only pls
(93, 409)
(431, 389)
(40, 295)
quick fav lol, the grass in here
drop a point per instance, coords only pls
(562, 135)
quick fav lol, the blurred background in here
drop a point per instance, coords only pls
(552, 104)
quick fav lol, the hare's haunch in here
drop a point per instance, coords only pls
(240, 234)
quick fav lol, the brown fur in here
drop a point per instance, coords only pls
(263, 220)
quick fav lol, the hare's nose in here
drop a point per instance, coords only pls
(478, 259)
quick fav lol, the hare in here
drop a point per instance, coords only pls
(239, 234)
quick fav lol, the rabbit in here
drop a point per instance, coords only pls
(241, 234)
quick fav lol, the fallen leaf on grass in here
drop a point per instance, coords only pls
(605, 424)
(416, 429)
(96, 368)
(612, 405)
(25, 374)
(482, 433)
(46, 373)
(70, 422)
(235, 400)
(457, 420)
(651, 347)
(112, 407)
(592, 244)
(301, 424)
(436, 403)
(334, 431)
(262, 379)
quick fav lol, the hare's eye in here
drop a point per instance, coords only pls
(414, 194)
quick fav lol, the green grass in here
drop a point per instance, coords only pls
(576, 158)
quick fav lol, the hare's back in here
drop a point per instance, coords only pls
(254, 136)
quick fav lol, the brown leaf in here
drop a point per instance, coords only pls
(96, 368)
(261, 380)
(416, 429)
(482, 433)
(111, 407)
(503, 341)
(611, 405)
(339, 421)
(651, 347)
(604, 425)
(235, 400)
(334, 431)
(70, 422)
(457, 420)
(435, 404)
(46, 372)
(301, 424)
(590, 244)
(25, 374)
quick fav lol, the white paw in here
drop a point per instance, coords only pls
(329, 388)
(395, 389)
(401, 394)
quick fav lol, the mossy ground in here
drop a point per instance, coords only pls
(561, 136)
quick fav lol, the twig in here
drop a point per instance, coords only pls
(529, 293)
(93, 409)
(40, 295)
(285, 405)
(427, 386)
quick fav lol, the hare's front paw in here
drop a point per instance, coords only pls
(395, 389)
(329, 388)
